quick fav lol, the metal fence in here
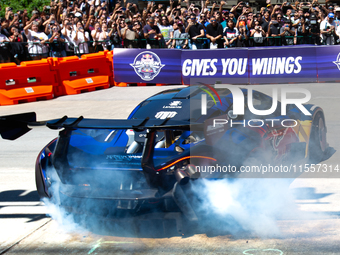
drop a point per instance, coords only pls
(19, 51)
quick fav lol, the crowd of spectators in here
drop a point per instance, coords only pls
(74, 27)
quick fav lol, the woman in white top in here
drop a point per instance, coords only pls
(258, 34)
(95, 35)
(105, 37)
(67, 33)
(37, 47)
(80, 38)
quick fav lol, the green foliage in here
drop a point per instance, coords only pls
(20, 5)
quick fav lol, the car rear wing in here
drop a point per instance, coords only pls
(16, 125)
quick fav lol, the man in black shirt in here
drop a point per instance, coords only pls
(152, 33)
(215, 33)
(195, 31)
(274, 31)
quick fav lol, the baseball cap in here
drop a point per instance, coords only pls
(180, 23)
(331, 15)
(268, 5)
(78, 14)
(337, 9)
(127, 20)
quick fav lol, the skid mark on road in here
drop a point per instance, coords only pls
(260, 251)
(100, 242)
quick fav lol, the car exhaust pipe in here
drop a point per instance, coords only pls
(182, 176)
(191, 170)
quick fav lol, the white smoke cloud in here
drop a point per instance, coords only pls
(251, 206)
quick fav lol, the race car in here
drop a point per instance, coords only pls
(149, 162)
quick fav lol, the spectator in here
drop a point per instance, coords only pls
(265, 21)
(181, 37)
(250, 20)
(80, 37)
(57, 42)
(295, 19)
(95, 36)
(280, 20)
(314, 30)
(139, 30)
(302, 31)
(4, 56)
(243, 37)
(195, 31)
(203, 20)
(230, 34)
(287, 33)
(327, 30)
(273, 32)
(152, 33)
(289, 14)
(17, 48)
(337, 17)
(129, 34)
(257, 34)
(225, 16)
(37, 48)
(215, 34)
(67, 33)
(5, 27)
(89, 27)
(167, 31)
(105, 37)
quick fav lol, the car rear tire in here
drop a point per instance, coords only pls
(317, 142)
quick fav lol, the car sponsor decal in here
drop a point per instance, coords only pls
(165, 115)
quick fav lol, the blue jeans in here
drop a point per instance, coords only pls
(199, 44)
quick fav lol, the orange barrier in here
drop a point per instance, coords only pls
(31, 81)
(109, 57)
(90, 72)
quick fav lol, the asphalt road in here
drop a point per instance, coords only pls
(310, 226)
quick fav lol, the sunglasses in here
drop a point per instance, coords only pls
(213, 20)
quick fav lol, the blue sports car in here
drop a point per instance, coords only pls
(147, 163)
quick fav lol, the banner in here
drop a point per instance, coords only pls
(261, 65)
(328, 59)
(228, 66)
(150, 66)
(282, 64)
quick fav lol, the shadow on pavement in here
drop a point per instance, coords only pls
(16, 196)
